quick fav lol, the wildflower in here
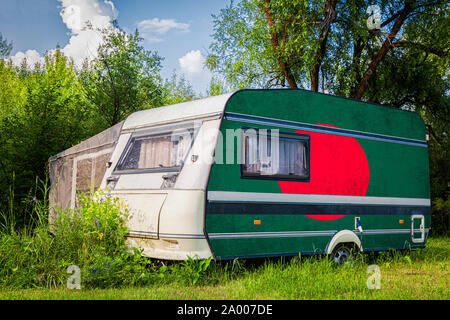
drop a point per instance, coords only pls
(33, 200)
(102, 200)
(96, 222)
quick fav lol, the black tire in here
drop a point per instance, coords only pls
(342, 254)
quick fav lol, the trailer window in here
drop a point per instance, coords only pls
(159, 152)
(265, 158)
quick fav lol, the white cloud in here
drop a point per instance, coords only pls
(151, 39)
(83, 43)
(162, 26)
(192, 62)
(153, 29)
(192, 66)
(32, 57)
(75, 14)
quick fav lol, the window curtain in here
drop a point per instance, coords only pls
(291, 157)
(269, 153)
(287, 157)
(164, 151)
(252, 163)
(155, 152)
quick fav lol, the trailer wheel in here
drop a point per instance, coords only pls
(342, 254)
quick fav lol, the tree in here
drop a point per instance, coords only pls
(217, 86)
(123, 78)
(415, 77)
(5, 47)
(271, 43)
(42, 112)
(299, 43)
(177, 89)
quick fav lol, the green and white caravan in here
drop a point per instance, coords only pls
(260, 173)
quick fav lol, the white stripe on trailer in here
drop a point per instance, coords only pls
(232, 196)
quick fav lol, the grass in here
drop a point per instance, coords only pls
(410, 275)
(34, 263)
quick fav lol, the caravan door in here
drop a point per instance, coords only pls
(144, 209)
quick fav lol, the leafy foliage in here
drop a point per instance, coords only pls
(218, 86)
(324, 45)
(195, 269)
(124, 78)
(177, 89)
(91, 237)
(42, 112)
(5, 47)
(49, 107)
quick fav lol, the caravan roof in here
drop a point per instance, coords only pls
(177, 112)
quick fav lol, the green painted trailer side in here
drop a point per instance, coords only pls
(393, 141)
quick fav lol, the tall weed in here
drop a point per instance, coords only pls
(91, 237)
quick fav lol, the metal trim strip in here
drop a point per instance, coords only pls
(321, 129)
(234, 196)
(298, 234)
(165, 235)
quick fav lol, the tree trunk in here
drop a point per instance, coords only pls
(274, 39)
(387, 44)
(329, 15)
(358, 47)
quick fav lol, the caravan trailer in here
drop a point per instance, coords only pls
(260, 173)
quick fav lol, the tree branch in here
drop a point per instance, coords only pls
(392, 18)
(274, 39)
(115, 115)
(405, 43)
(329, 15)
(387, 44)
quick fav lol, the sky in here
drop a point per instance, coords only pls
(178, 30)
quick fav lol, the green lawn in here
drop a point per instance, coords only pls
(418, 274)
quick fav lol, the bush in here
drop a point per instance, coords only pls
(440, 221)
(91, 237)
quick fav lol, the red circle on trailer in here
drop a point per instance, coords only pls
(338, 166)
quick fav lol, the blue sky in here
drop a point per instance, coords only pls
(179, 30)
